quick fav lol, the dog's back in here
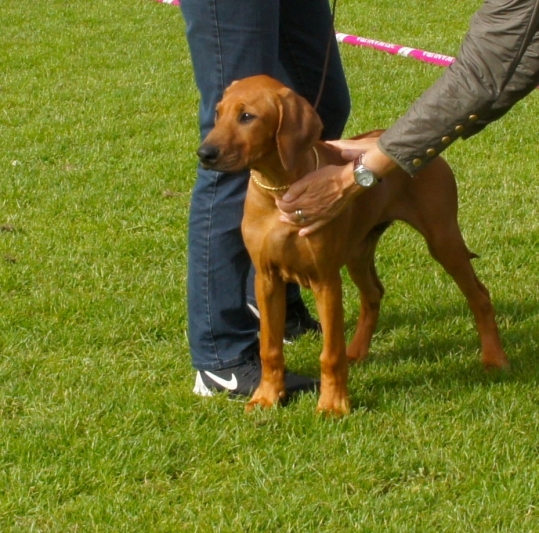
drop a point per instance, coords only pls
(264, 126)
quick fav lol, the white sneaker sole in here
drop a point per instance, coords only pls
(201, 389)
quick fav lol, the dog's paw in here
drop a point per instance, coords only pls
(334, 404)
(495, 361)
(356, 358)
(265, 397)
(263, 403)
(357, 352)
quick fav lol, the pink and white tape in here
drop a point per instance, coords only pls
(433, 58)
(396, 49)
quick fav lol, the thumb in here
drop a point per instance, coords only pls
(295, 191)
(350, 155)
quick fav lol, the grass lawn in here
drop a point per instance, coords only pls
(99, 430)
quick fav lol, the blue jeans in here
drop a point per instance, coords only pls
(229, 40)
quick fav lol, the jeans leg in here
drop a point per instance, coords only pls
(228, 40)
(304, 33)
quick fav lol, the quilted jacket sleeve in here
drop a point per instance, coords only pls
(498, 64)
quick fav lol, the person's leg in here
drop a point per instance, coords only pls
(228, 39)
(305, 28)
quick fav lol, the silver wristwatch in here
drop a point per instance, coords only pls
(362, 175)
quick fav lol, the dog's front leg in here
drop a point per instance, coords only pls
(271, 300)
(334, 365)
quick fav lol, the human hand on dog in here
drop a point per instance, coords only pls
(318, 197)
(352, 148)
(322, 195)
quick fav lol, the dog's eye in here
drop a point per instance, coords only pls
(246, 117)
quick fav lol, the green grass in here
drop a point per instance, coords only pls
(99, 431)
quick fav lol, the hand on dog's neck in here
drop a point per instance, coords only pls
(279, 180)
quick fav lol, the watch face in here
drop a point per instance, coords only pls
(364, 177)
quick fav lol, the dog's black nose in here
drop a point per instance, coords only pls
(208, 153)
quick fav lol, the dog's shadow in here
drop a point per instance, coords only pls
(446, 362)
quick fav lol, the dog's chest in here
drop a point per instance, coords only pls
(290, 256)
(279, 250)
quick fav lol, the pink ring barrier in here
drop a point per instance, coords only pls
(396, 49)
(440, 60)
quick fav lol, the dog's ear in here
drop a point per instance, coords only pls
(227, 89)
(299, 126)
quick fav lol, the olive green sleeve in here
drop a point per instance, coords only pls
(498, 64)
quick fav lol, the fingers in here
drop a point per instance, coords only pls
(317, 198)
(307, 192)
(308, 225)
(301, 217)
(293, 218)
(307, 230)
(351, 144)
(352, 148)
(350, 155)
(296, 190)
(298, 217)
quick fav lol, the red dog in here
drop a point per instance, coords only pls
(264, 126)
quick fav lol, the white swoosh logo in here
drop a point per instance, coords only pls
(230, 384)
(254, 310)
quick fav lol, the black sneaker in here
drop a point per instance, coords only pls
(242, 380)
(298, 321)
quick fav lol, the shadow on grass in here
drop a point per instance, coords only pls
(443, 361)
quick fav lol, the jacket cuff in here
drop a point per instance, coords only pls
(416, 155)
(399, 162)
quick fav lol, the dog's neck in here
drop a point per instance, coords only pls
(276, 180)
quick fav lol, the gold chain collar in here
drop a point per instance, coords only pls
(283, 187)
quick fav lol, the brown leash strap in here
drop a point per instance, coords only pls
(326, 59)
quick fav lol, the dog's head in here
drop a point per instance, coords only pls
(258, 119)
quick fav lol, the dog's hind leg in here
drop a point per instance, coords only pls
(362, 270)
(447, 246)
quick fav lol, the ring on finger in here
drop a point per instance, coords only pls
(300, 215)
